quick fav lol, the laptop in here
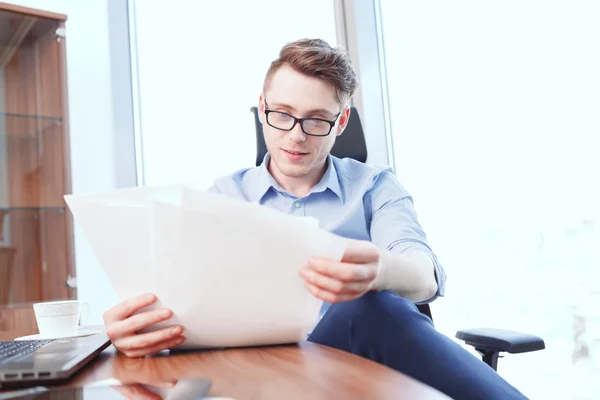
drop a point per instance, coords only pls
(38, 362)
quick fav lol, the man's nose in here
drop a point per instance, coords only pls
(297, 134)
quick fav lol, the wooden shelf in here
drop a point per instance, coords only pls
(27, 126)
(36, 228)
(31, 12)
(30, 116)
(9, 209)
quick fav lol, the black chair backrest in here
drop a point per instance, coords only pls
(350, 144)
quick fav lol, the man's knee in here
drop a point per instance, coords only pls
(371, 325)
(377, 311)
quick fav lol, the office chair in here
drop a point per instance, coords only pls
(488, 342)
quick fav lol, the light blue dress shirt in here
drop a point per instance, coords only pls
(353, 200)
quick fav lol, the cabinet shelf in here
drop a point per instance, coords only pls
(31, 116)
(34, 159)
(27, 126)
(9, 209)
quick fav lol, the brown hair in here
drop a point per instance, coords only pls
(316, 58)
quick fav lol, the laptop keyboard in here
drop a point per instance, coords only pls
(16, 349)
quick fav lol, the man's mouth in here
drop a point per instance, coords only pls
(295, 153)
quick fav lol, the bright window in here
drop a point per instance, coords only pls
(494, 110)
(201, 68)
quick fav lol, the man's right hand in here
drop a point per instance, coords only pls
(122, 326)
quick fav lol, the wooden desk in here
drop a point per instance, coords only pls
(304, 371)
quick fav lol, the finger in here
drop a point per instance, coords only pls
(344, 271)
(332, 285)
(328, 296)
(137, 322)
(128, 308)
(167, 344)
(361, 252)
(164, 385)
(150, 339)
(136, 392)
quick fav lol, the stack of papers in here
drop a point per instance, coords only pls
(228, 269)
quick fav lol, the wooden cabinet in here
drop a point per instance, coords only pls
(36, 245)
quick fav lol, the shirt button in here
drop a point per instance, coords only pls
(297, 205)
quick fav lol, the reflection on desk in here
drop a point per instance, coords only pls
(114, 389)
(301, 371)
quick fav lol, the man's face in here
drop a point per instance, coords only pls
(293, 153)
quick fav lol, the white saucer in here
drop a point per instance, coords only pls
(80, 333)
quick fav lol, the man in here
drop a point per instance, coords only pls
(388, 266)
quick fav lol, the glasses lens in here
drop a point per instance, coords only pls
(280, 120)
(316, 127)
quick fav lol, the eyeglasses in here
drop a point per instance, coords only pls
(310, 126)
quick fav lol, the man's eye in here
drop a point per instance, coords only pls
(316, 122)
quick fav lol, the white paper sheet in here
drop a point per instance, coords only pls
(227, 268)
(121, 238)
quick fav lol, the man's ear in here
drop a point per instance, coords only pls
(261, 108)
(343, 120)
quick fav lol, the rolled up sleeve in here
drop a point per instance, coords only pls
(395, 226)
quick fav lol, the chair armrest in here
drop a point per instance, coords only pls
(501, 340)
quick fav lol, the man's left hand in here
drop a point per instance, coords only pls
(346, 280)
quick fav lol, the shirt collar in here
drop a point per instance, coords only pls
(329, 181)
(265, 180)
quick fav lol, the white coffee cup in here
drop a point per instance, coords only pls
(57, 319)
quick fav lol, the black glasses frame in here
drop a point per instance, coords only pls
(301, 121)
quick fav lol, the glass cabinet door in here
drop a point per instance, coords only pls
(35, 238)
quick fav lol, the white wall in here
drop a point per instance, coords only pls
(201, 68)
(93, 151)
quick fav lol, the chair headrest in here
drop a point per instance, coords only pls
(349, 144)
